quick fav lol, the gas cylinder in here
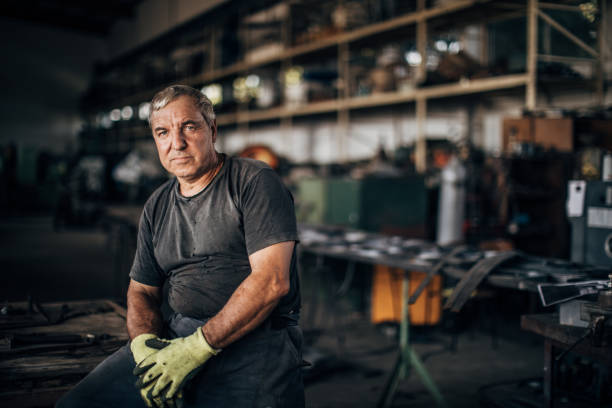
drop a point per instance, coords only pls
(451, 204)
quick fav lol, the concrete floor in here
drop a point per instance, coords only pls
(77, 264)
(368, 357)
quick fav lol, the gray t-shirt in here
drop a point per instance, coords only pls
(201, 244)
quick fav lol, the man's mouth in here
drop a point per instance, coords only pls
(180, 159)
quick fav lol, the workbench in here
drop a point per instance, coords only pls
(45, 349)
(345, 246)
(557, 338)
(519, 272)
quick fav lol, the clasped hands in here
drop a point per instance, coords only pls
(164, 366)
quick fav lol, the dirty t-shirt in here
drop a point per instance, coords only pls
(201, 244)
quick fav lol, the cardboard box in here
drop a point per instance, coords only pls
(555, 134)
(516, 131)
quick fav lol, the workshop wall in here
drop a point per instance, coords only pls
(153, 18)
(44, 73)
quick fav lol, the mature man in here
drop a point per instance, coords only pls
(221, 236)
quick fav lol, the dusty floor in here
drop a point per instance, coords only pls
(77, 264)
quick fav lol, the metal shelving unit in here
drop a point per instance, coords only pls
(421, 19)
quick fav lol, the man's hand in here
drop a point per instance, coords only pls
(140, 350)
(164, 373)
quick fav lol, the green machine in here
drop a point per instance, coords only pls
(379, 204)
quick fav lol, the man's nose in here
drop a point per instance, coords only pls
(178, 140)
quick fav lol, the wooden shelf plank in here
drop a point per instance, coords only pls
(407, 19)
(475, 86)
(383, 99)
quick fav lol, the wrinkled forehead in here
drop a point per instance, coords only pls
(184, 108)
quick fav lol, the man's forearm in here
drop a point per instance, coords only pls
(143, 314)
(248, 307)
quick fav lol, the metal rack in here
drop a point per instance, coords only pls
(421, 18)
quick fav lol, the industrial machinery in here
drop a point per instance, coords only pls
(580, 372)
(396, 205)
(595, 314)
(589, 209)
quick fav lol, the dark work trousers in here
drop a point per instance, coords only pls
(262, 369)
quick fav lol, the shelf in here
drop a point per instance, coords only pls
(336, 40)
(384, 99)
(423, 22)
(464, 87)
(303, 49)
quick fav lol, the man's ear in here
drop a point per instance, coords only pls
(213, 130)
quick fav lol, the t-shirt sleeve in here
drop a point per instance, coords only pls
(268, 212)
(145, 268)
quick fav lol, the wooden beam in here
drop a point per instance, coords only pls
(557, 26)
(343, 120)
(601, 40)
(408, 19)
(532, 51)
(421, 136)
(464, 87)
(564, 7)
(560, 58)
(421, 41)
(474, 86)
(484, 45)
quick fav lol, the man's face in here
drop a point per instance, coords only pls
(185, 142)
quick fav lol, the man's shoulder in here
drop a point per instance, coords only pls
(247, 164)
(159, 195)
(244, 169)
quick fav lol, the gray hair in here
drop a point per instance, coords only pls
(171, 93)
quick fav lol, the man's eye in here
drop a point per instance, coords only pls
(190, 127)
(162, 133)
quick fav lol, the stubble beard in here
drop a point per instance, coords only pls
(212, 162)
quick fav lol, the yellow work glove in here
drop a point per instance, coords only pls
(169, 369)
(140, 350)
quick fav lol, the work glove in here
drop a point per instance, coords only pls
(140, 350)
(164, 373)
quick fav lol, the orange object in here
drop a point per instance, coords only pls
(262, 153)
(386, 303)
